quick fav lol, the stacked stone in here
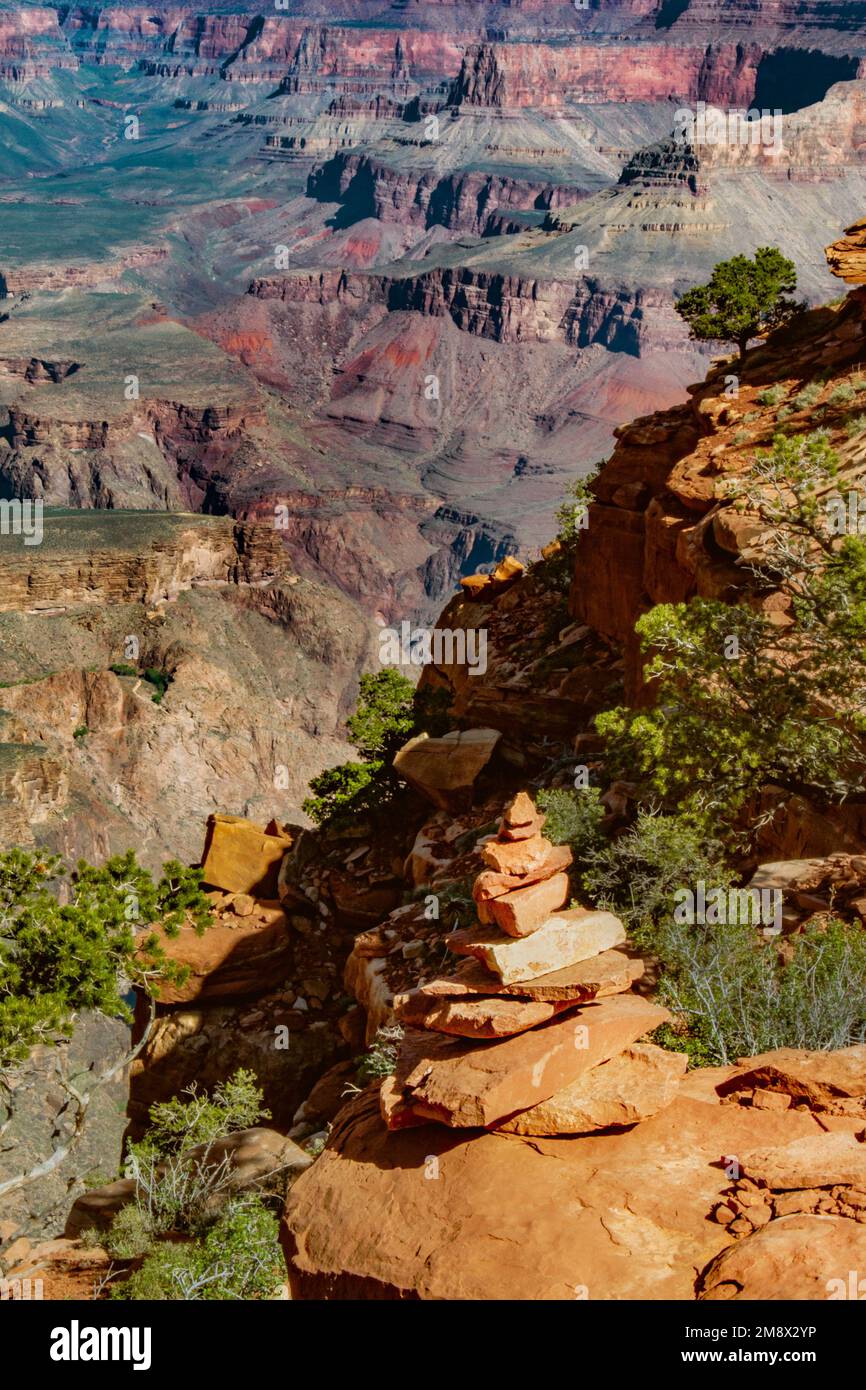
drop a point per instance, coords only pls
(536, 1031)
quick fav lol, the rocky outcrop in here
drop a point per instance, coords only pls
(613, 1216)
(182, 596)
(847, 257)
(465, 202)
(659, 528)
(179, 554)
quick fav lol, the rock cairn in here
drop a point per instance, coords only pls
(536, 1031)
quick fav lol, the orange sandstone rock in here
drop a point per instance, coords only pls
(631, 1087)
(469, 1017)
(522, 912)
(605, 974)
(463, 1084)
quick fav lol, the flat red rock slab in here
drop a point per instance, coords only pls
(522, 832)
(465, 1084)
(567, 937)
(490, 884)
(610, 973)
(521, 810)
(470, 1017)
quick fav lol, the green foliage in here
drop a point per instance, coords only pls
(841, 394)
(188, 1234)
(637, 874)
(57, 959)
(390, 710)
(571, 514)
(179, 1124)
(356, 788)
(80, 733)
(855, 426)
(741, 701)
(238, 1258)
(739, 997)
(572, 517)
(743, 298)
(160, 679)
(122, 668)
(179, 1180)
(808, 396)
(771, 395)
(385, 715)
(380, 1059)
(129, 1236)
(573, 818)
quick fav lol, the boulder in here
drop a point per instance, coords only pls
(609, 973)
(229, 961)
(522, 912)
(819, 1079)
(481, 1084)
(242, 857)
(820, 1161)
(794, 1257)
(445, 769)
(443, 1214)
(470, 1017)
(629, 1088)
(564, 940)
(487, 586)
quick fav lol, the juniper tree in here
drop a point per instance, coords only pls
(744, 297)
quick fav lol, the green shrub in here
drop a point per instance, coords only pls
(571, 518)
(80, 733)
(739, 997)
(389, 711)
(637, 874)
(380, 1059)
(741, 702)
(771, 395)
(855, 426)
(177, 1189)
(179, 1124)
(385, 716)
(160, 679)
(573, 818)
(350, 788)
(238, 1258)
(121, 668)
(808, 396)
(841, 394)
